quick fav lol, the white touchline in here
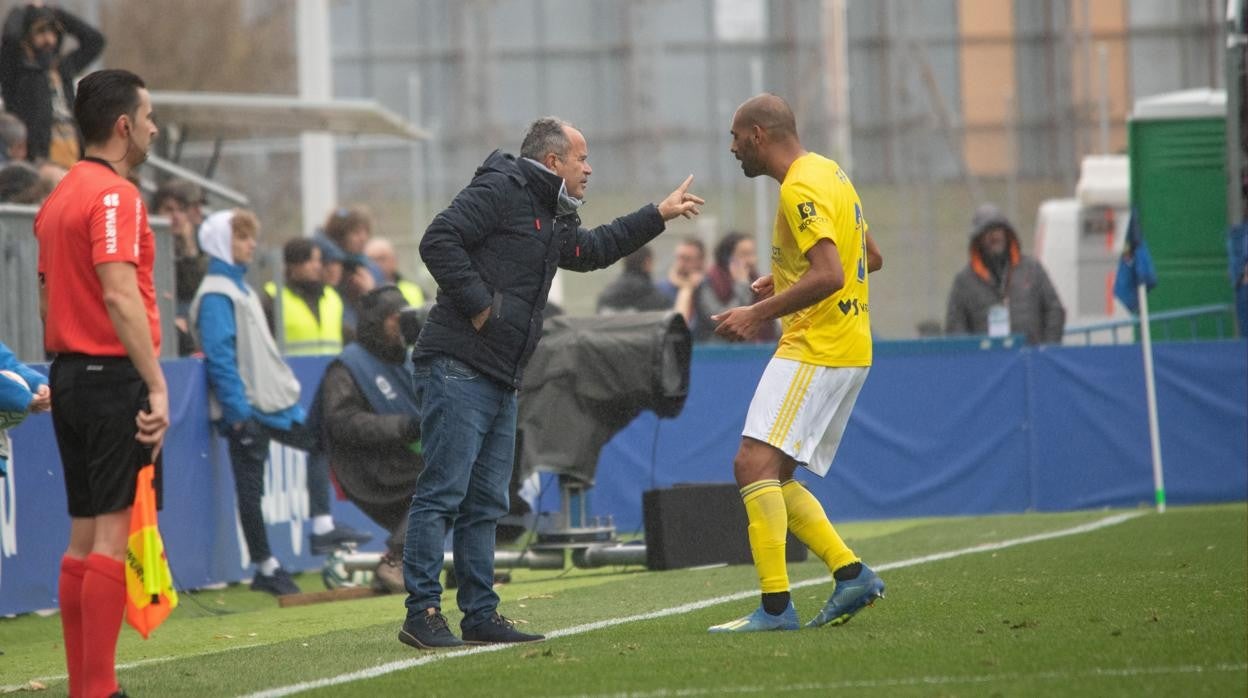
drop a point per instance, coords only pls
(923, 681)
(129, 665)
(400, 665)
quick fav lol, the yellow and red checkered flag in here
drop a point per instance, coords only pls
(150, 595)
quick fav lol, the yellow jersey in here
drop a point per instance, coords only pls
(818, 201)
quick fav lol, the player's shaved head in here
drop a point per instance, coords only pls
(770, 113)
(764, 136)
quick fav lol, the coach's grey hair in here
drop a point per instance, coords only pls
(545, 135)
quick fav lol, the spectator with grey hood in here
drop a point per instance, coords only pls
(1003, 291)
(493, 253)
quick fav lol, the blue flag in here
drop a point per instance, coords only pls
(1135, 267)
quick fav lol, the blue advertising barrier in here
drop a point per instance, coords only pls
(975, 432)
(944, 433)
(199, 521)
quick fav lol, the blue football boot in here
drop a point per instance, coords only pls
(849, 597)
(760, 620)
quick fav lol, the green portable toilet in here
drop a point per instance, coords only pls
(1177, 147)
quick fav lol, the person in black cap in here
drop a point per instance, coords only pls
(366, 414)
(37, 80)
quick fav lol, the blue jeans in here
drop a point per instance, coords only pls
(468, 431)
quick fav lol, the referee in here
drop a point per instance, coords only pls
(96, 254)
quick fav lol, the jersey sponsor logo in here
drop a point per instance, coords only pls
(806, 223)
(852, 305)
(809, 214)
(138, 224)
(111, 202)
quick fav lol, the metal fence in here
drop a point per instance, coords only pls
(20, 326)
(1185, 324)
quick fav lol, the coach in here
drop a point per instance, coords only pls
(494, 252)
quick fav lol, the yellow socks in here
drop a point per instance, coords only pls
(764, 506)
(810, 524)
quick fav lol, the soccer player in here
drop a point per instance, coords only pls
(96, 254)
(820, 253)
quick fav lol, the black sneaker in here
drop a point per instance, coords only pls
(342, 535)
(428, 631)
(498, 630)
(278, 584)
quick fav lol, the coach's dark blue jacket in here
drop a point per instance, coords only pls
(497, 246)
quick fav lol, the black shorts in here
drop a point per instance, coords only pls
(95, 402)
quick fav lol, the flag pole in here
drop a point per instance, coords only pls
(1150, 387)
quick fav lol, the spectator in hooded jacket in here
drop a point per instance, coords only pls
(255, 395)
(37, 78)
(1003, 291)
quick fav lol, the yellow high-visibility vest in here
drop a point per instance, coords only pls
(412, 293)
(304, 335)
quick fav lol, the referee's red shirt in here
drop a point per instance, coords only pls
(94, 216)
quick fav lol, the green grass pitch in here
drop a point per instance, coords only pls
(1154, 605)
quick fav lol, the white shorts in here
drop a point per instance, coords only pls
(802, 409)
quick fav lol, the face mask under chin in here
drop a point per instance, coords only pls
(567, 204)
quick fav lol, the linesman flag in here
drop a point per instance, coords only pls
(150, 595)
